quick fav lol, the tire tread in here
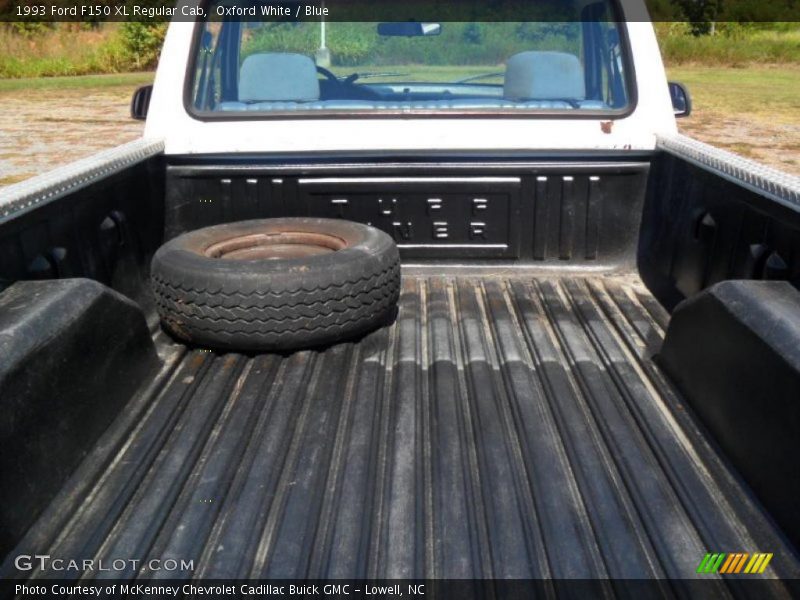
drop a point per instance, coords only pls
(218, 311)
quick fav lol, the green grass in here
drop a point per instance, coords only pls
(79, 82)
(762, 92)
(65, 50)
(734, 45)
(752, 111)
(60, 51)
(70, 49)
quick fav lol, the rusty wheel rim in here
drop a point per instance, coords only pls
(275, 246)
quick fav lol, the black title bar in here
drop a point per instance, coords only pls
(156, 11)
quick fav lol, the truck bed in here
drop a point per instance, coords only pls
(506, 425)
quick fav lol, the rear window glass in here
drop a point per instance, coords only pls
(366, 67)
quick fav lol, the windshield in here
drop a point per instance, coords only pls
(278, 67)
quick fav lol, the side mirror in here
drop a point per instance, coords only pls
(681, 100)
(141, 102)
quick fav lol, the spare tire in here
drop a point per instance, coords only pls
(276, 284)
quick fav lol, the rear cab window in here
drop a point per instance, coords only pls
(263, 68)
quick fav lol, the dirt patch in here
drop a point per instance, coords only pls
(775, 144)
(44, 129)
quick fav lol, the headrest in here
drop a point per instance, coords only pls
(544, 76)
(278, 77)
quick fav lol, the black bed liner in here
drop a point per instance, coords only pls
(508, 427)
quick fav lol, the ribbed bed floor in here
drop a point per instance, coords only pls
(502, 427)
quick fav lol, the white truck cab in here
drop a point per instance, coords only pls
(377, 117)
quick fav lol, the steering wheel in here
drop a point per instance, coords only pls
(334, 79)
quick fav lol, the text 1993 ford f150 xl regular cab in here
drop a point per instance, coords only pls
(592, 371)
